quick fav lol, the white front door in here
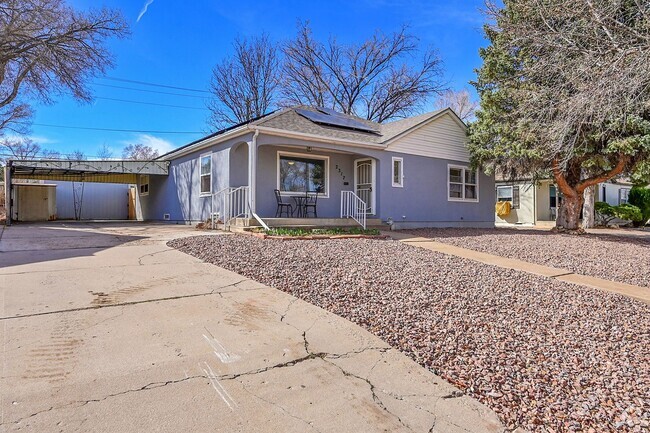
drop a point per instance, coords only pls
(364, 182)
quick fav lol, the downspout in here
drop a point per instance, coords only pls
(252, 170)
(535, 186)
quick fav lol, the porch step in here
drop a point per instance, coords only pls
(306, 222)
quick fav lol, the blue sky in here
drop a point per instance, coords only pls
(177, 43)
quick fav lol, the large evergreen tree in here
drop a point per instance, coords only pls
(565, 91)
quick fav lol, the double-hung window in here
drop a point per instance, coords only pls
(206, 174)
(398, 172)
(298, 173)
(462, 183)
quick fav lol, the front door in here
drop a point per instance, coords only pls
(364, 182)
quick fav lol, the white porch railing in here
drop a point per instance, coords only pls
(353, 207)
(230, 203)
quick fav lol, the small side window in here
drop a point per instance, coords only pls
(206, 174)
(398, 172)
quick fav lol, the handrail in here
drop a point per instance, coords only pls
(232, 202)
(353, 207)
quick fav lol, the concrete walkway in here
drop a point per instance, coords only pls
(636, 292)
(106, 329)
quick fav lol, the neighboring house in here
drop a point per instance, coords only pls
(535, 202)
(413, 172)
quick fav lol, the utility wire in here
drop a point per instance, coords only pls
(149, 103)
(47, 125)
(144, 83)
(149, 91)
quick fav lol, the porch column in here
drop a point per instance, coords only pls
(252, 170)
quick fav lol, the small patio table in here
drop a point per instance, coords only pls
(300, 204)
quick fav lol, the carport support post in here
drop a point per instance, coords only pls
(8, 201)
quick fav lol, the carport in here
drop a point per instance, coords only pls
(111, 171)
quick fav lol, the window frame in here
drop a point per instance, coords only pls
(324, 158)
(515, 197)
(464, 169)
(144, 182)
(620, 196)
(395, 159)
(201, 175)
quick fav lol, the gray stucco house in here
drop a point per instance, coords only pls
(412, 172)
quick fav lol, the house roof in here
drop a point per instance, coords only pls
(290, 121)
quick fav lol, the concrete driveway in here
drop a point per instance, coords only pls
(106, 329)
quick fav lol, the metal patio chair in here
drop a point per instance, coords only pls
(311, 199)
(282, 206)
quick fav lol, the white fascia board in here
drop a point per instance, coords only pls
(209, 142)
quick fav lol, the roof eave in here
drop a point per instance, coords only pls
(318, 138)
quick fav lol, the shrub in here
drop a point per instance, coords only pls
(629, 212)
(640, 197)
(604, 212)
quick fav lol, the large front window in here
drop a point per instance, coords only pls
(301, 173)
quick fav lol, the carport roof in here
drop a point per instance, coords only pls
(87, 170)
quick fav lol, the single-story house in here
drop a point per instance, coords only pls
(533, 202)
(413, 172)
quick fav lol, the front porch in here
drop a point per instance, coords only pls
(340, 186)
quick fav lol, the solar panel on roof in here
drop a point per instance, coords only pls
(335, 119)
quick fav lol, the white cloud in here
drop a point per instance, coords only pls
(144, 9)
(157, 143)
(38, 139)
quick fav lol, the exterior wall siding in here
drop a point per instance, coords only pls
(442, 138)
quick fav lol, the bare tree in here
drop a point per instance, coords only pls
(244, 85)
(19, 149)
(104, 153)
(139, 152)
(460, 101)
(374, 79)
(50, 154)
(77, 155)
(46, 48)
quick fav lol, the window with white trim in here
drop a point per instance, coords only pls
(462, 183)
(144, 184)
(398, 172)
(206, 174)
(298, 173)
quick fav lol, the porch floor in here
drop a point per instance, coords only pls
(306, 222)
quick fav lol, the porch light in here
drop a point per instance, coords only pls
(291, 162)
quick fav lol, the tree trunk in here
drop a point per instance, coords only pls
(568, 216)
(588, 212)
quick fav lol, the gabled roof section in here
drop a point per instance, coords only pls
(290, 121)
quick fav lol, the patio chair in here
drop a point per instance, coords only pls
(311, 198)
(282, 206)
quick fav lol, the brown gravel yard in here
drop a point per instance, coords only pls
(545, 355)
(624, 259)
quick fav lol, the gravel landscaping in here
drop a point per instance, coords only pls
(545, 355)
(624, 259)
